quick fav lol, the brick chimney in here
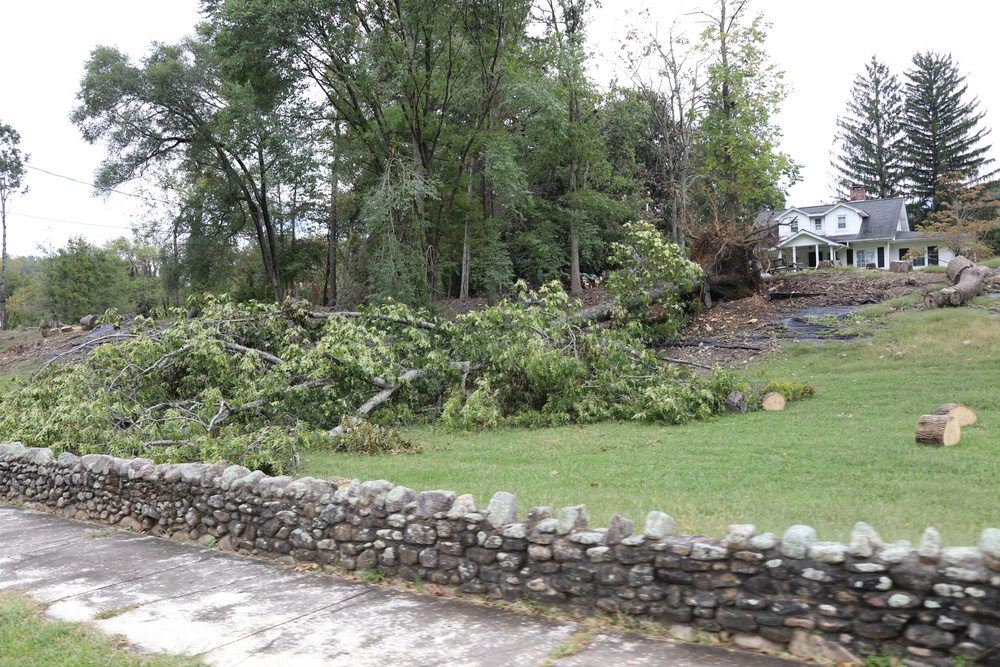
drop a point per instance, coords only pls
(858, 192)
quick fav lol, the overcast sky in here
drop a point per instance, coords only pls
(821, 46)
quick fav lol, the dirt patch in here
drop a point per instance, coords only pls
(734, 332)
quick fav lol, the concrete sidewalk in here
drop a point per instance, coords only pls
(234, 610)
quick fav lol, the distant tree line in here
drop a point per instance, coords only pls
(416, 150)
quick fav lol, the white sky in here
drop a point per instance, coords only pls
(820, 45)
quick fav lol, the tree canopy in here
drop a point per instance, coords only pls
(870, 140)
(943, 129)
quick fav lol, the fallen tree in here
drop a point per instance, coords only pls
(967, 282)
(251, 383)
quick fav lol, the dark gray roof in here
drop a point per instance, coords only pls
(880, 217)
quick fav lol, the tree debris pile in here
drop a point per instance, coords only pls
(250, 383)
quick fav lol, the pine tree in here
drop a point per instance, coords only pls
(943, 130)
(871, 134)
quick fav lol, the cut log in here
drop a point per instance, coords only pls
(773, 401)
(956, 266)
(938, 430)
(736, 403)
(901, 266)
(934, 300)
(963, 415)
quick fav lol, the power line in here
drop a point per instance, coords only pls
(68, 222)
(97, 187)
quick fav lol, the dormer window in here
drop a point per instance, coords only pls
(841, 222)
(817, 224)
(794, 225)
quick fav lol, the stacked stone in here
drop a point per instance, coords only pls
(816, 599)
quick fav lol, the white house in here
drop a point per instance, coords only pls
(858, 232)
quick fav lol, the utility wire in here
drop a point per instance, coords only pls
(68, 222)
(97, 187)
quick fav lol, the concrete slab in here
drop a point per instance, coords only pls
(624, 650)
(167, 596)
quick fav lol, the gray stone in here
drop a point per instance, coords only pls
(865, 542)
(618, 528)
(927, 635)
(989, 542)
(756, 643)
(707, 551)
(515, 531)
(399, 497)
(738, 535)
(896, 552)
(430, 503)
(736, 620)
(11, 449)
(572, 519)
(502, 509)
(930, 545)
(797, 540)
(806, 645)
(828, 552)
(764, 541)
(658, 525)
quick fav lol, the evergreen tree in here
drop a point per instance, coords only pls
(943, 130)
(870, 139)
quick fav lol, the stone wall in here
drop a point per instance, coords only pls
(937, 606)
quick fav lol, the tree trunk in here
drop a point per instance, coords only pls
(3, 271)
(963, 415)
(736, 403)
(463, 287)
(774, 401)
(938, 430)
(956, 267)
(968, 279)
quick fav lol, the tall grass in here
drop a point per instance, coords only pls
(848, 454)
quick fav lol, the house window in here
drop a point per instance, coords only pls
(794, 225)
(919, 260)
(818, 224)
(863, 257)
(841, 222)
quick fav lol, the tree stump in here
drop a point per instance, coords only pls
(901, 266)
(963, 415)
(736, 403)
(773, 401)
(938, 430)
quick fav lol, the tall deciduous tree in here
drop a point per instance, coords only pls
(943, 128)
(398, 76)
(12, 161)
(870, 139)
(667, 75)
(739, 159)
(179, 109)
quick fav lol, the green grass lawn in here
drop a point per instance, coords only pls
(27, 639)
(847, 454)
